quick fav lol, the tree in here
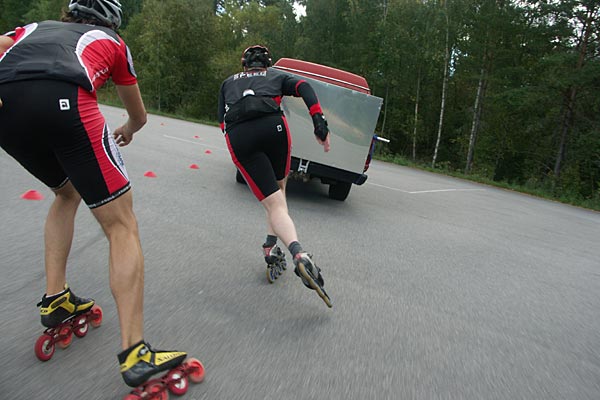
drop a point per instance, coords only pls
(444, 86)
(45, 10)
(171, 43)
(586, 16)
(12, 13)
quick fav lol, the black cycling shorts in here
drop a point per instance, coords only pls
(56, 131)
(261, 150)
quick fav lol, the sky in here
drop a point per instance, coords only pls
(299, 10)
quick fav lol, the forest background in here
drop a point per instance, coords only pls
(501, 91)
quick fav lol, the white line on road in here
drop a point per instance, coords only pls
(448, 190)
(387, 187)
(198, 141)
(425, 191)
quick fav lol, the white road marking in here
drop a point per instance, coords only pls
(200, 142)
(197, 141)
(448, 190)
(425, 191)
(387, 187)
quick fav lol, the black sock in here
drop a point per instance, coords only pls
(270, 241)
(295, 248)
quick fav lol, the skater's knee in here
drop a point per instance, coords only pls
(274, 202)
(281, 185)
(67, 194)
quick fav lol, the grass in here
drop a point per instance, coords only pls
(115, 102)
(542, 192)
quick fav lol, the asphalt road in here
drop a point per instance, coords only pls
(442, 288)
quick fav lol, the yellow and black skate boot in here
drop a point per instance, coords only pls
(140, 362)
(62, 307)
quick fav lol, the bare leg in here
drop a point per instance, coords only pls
(126, 265)
(58, 236)
(279, 222)
(281, 185)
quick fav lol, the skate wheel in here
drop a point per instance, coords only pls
(44, 347)
(156, 391)
(132, 396)
(177, 382)
(66, 335)
(81, 327)
(270, 276)
(96, 316)
(196, 370)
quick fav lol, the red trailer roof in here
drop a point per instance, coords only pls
(324, 73)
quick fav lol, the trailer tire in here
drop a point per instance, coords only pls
(239, 177)
(339, 190)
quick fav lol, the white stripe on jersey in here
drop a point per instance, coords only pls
(84, 41)
(28, 31)
(130, 63)
(111, 149)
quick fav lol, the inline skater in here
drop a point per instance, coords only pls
(51, 124)
(259, 142)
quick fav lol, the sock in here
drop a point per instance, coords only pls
(295, 248)
(270, 241)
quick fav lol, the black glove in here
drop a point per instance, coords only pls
(320, 124)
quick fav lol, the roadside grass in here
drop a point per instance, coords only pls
(105, 98)
(532, 189)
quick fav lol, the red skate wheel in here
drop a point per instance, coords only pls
(195, 370)
(156, 391)
(81, 326)
(177, 382)
(44, 347)
(96, 316)
(66, 336)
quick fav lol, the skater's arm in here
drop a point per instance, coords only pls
(309, 96)
(132, 100)
(221, 109)
(5, 43)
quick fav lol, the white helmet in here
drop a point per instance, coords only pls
(107, 11)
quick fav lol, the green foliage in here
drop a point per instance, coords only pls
(532, 56)
(171, 44)
(12, 13)
(45, 9)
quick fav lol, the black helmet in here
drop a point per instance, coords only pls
(106, 11)
(256, 56)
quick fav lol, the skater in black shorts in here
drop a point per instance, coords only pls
(259, 142)
(51, 124)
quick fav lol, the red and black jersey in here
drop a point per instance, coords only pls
(86, 55)
(264, 83)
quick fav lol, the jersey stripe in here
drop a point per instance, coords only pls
(86, 40)
(22, 34)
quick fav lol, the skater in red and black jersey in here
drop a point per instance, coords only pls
(259, 142)
(51, 124)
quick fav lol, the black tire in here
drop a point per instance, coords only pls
(339, 191)
(239, 177)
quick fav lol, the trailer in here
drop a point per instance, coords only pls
(351, 113)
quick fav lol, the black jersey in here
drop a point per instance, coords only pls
(261, 84)
(270, 82)
(86, 55)
(265, 88)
